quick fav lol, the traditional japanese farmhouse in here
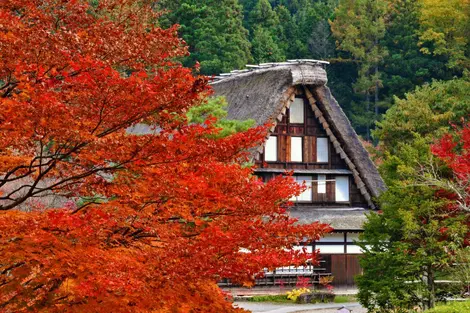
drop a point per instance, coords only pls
(312, 137)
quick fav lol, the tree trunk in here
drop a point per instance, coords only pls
(376, 98)
(431, 287)
(368, 110)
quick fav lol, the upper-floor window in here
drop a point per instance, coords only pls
(342, 189)
(297, 111)
(322, 149)
(305, 196)
(270, 150)
(296, 149)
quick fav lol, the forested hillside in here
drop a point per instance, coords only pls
(377, 49)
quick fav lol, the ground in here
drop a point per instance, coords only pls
(267, 307)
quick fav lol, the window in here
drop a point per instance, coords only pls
(342, 189)
(270, 150)
(297, 111)
(321, 184)
(296, 149)
(307, 194)
(322, 149)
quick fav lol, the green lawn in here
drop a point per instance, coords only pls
(270, 298)
(344, 299)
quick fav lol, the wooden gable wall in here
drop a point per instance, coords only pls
(309, 131)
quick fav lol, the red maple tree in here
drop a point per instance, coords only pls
(97, 218)
(454, 150)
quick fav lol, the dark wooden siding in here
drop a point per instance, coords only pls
(344, 267)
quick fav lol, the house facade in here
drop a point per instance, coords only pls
(311, 137)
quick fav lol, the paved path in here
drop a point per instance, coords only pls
(270, 307)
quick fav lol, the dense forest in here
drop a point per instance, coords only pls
(377, 49)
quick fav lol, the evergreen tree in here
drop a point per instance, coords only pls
(321, 44)
(214, 32)
(264, 25)
(359, 25)
(263, 15)
(405, 67)
(215, 108)
(264, 47)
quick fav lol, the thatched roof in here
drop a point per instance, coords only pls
(264, 93)
(259, 94)
(338, 218)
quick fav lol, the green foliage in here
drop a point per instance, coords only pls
(444, 31)
(264, 47)
(263, 24)
(213, 30)
(345, 299)
(359, 26)
(270, 298)
(461, 270)
(405, 66)
(455, 307)
(215, 108)
(427, 112)
(416, 236)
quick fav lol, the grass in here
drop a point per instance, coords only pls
(270, 298)
(344, 299)
(454, 307)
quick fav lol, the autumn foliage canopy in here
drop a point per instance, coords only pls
(97, 215)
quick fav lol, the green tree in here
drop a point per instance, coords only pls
(405, 66)
(288, 34)
(263, 15)
(445, 31)
(216, 108)
(417, 233)
(213, 30)
(425, 113)
(359, 26)
(264, 47)
(263, 24)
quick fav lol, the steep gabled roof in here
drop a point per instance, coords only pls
(264, 92)
(260, 93)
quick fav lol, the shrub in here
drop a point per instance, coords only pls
(295, 293)
(455, 307)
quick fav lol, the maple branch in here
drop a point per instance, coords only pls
(9, 88)
(84, 206)
(430, 176)
(16, 265)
